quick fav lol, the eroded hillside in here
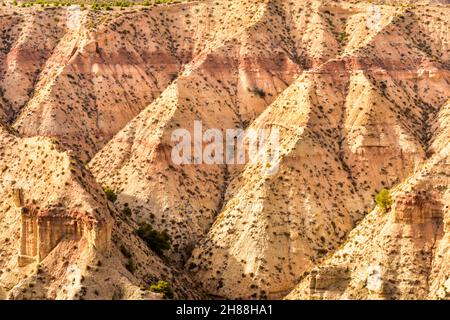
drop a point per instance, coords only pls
(90, 99)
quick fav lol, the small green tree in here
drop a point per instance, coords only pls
(110, 195)
(163, 287)
(384, 199)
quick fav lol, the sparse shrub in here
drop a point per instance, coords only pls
(126, 253)
(384, 199)
(95, 6)
(130, 266)
(342, 37)
(156, 240)
(258, 91)
(163, 287)
(127, 211)
(110, 195)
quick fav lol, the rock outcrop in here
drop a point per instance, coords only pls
(42, 231)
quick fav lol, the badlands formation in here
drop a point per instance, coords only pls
(89, 99)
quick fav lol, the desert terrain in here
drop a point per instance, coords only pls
(92, 205)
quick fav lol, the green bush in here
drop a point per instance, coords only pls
(157, 241)
(127, 211)
(384, 199)
(163, 287)
(342, 37)
(110, 195)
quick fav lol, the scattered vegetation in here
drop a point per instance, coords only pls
(163, 287)
(126, 253)
(157, 241)
(95, 5)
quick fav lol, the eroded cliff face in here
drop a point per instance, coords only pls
(401, 254)
(39, 210)
(60, 236)
(358, 92)
(43, 230)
